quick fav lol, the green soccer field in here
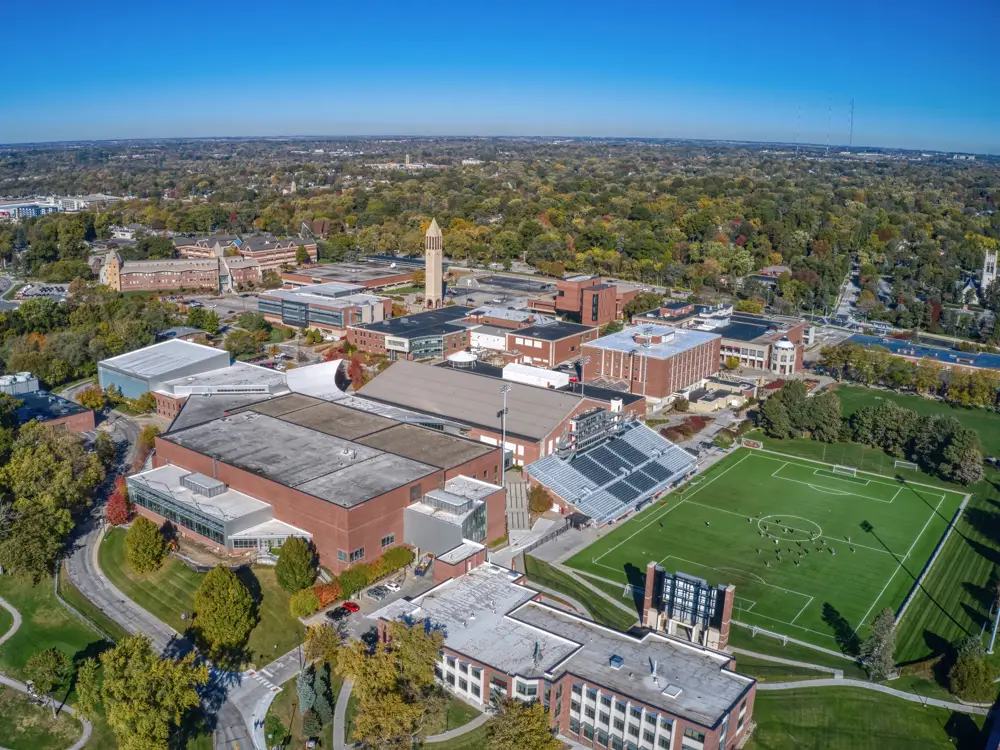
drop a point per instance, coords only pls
(813, 554)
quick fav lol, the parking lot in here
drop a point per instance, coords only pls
(357, 624)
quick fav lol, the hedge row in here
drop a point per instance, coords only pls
(354, 579)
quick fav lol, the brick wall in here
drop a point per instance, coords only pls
(80, 422)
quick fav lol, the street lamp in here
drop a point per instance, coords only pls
(502, 416)
(584, 361)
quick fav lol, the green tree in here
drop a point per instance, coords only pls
(323, 704)
(323, 644)
(104, 447)
(641, 303)
(31, 538)
(305, 691)
(48, 669)
(301, 256)
(224, 609)
(253, 322)
(88, 689)
(516, 726)
(773, 417)
(971, 676)
(91, 398)
(296, 568)
(824, 418)
(146, 696)
(145, 547)
(879, 649)
(312, 725)
(241, 343)
(303, 603)
(353, 580)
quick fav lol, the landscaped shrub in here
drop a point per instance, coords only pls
(296, 568)
(303, 603)
(393, 560)
(327, 593)
(354, 579)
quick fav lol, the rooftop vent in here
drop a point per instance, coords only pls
(672, 691)
(616, 662)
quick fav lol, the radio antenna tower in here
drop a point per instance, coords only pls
(850, 140)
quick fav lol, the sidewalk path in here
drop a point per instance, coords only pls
(16, 685)
(340, 717)
(459, 731)
(833, 682)
(838, 674)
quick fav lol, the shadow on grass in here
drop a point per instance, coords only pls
(963, 732)
(637, 580)
(843, 633)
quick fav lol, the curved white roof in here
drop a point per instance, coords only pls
(462, 357)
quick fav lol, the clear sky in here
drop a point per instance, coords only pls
(923, 74)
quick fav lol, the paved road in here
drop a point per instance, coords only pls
(833, 682)
(16, 685)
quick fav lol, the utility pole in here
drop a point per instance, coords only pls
(502, 414)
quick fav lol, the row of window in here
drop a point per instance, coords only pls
(175, 514)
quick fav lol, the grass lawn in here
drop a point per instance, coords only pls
(857, 719)
(286, 708)
(472, 740)
(6, 620)
(103, 624)
(169, 591)
(983, 421)
(24, 726)
(763, 644)
(603, 612)
(768, 671)
(458, 714)
(789, 534)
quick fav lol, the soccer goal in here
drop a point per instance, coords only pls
(897, 464)
(847, 471)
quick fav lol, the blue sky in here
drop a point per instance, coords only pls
(923, 74)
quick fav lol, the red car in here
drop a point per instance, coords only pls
(351, 606)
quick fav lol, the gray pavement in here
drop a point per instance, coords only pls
(340, 717)
(459, 731)
(838, 674)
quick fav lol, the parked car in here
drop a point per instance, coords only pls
(338, 614)
(351, 606)
(393, 586)
(378, 593)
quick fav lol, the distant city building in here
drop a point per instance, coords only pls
(212, 246)
(26, 210)
(433, 278)
(212, 274)
(331, 307)
(272, 253)
(371, 274)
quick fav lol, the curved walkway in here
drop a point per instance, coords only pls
(838, 674)
(459, 731)
(16, 685)
(833, 682)
(340, 716)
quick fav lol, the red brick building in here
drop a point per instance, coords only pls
(654, 360)
(549, 345)
(425, 335)
(298, 466)
(600, 687)
(54, 411)
(272, 253)
(587, 299)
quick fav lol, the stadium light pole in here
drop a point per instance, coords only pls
(584, 361)
(502, 414)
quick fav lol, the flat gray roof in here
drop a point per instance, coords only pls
(237, 374)
(199, 409)
(676, 340)
(471, 399)
(329, 450)
(329, 468)
(161, 359)
(488, 616)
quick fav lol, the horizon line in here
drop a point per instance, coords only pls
(374, 136)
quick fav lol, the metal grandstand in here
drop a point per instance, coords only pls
(613, 478)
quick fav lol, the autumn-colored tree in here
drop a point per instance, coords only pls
(119, 510)
(91, 398)
(356, 372)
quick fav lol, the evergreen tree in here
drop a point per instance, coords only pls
(296, 568)
(878, 650)
(224, 608)
(323, 705)
(305, 691)
(774, 418)
(311, 724)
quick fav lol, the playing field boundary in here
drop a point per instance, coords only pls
(918, 583)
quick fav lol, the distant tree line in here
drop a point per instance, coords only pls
(940, 445)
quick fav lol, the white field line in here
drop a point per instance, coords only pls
(684, 500)
(832, 490)
(762, 582)
(899, 566)
(801, 610)
(816, 472)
